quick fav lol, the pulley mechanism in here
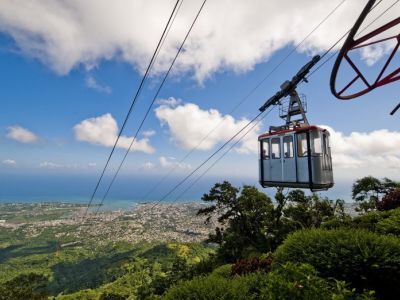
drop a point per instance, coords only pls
(289, 86)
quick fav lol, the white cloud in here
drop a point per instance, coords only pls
(49, 165)
(22, 135)
(170, 162)
(376, 152)
(65, 34)
(148, 133)
(9, 162)
(103, 130)
(371, 54)
(67, 166)
(188, 124)
(171, 102)
(92, 83)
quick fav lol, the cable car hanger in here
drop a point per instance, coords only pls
(296, 154)
(364, 41)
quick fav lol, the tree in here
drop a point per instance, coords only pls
(244, 220)
(367, 191)
(25, 286)
(249, 223)
(308, 211)
(390, 201)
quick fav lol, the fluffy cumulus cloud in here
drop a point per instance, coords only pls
(375, 152)
(190, 126)
(229, 35)
(103, 130)
(22, 135)
(170, 162)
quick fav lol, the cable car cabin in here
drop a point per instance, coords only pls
(298, 157)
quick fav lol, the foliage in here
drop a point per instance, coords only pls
(302, 281)
(180, 269)
(390, 201)
(390, 224)
(383, 222)
(90, 271)
(111, 296)
(364, 259)
(243, 217)
(25, 286)
(249, 223)
(289, 281)
(367, 191)
(224, 271)
(308, 212)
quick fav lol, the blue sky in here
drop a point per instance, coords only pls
(49, 87)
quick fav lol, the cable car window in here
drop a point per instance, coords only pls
(265, 149)
(302, 144)
(325, 144)
(276, 148)
(315, 140)
(288, 146)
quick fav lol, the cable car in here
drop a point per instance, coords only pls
(298, 157)
(296, 154)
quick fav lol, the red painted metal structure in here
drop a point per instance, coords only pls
(294, 129)
(364, 41)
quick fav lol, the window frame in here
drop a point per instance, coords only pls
(312, 143)
(266, 155)
(297, 144)
(292, 146)
(279, 147)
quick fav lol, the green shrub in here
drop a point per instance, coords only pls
(369, 220)
(335, 223)
(223, 271)
(384, 222)
(391, 224)
(289, 281)
(364, 259)
(210, 287)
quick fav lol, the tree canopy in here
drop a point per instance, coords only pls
(368, 191)
(250, 223)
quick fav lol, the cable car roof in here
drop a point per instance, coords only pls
(287, 130)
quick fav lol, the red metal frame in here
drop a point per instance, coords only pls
(295, 129)
(351, 44)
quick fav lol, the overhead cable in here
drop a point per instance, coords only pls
(150, 106)
(131, 108)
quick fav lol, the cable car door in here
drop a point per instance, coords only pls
(276, 169)
(288, 159)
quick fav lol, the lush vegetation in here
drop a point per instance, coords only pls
(289, 281)
(367, 260)
(37, 267)
(296, 246)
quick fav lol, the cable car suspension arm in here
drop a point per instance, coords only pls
(289, 87)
